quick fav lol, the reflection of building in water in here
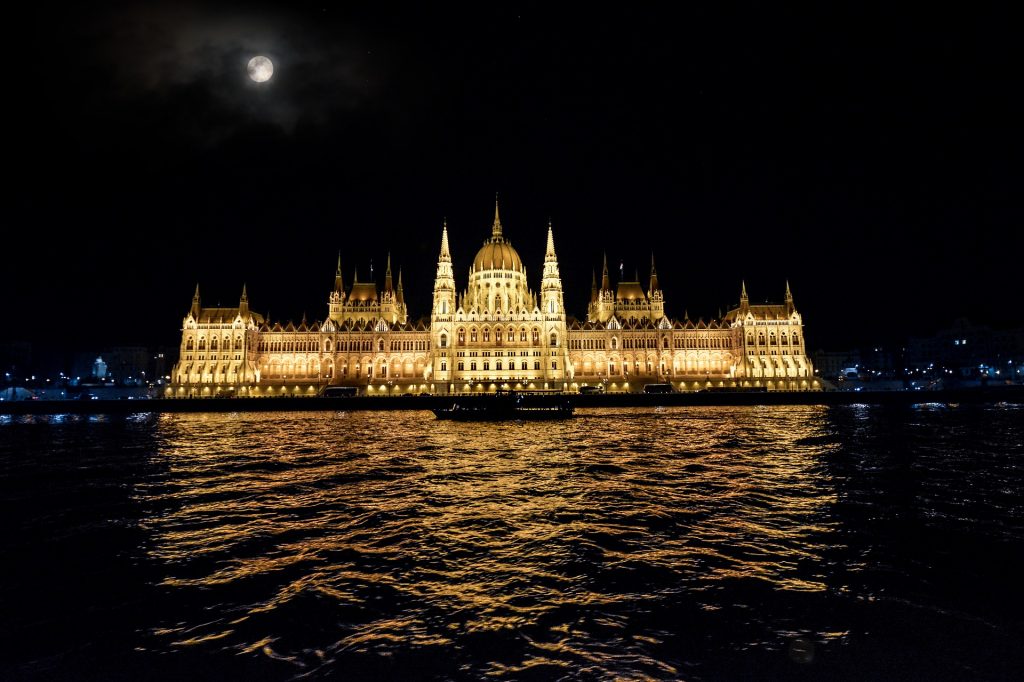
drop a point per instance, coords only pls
(495, 333)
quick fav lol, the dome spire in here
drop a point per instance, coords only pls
(496, 228)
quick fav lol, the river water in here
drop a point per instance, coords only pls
(682, 543)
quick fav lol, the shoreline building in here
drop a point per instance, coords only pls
(496, 333)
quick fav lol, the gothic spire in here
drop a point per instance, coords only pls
(744, 300)
(445, 253)
(593, 286)
(550, 254)
(606, 282)
(339, 286)
(401, 297)
(654, 275)
(789, 299)
(387, 275)
(196, 304)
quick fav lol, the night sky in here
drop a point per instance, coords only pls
(873, 159)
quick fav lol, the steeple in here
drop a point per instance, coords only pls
(446, 256)
(654, 276)
(496, 228)
(549, 255)
(387, 275)
(243, 303)
(789, 300)
(744, 300)
(196, 304)
(339, 286)
(606, 282)
(401, 296)
(593, 286)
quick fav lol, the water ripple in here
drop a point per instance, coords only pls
(700, 543)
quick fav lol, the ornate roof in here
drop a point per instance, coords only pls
(630, 291)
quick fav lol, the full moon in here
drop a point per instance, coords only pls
(260, 69)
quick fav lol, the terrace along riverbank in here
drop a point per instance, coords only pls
(992, 394)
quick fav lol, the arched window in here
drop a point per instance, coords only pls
(511, 335)
(554, 339)
(615, 344)
(188, 344)
(444, 340)
(472, 335)
(536, 336)
(213, 343)
(462, 336)
(796, 338)
(487, 334)
(327, 346)
(750, 338)
(664, 342)
(238, 343)
(380, 346)
(498, 336)
(522, 334)
(551, 307)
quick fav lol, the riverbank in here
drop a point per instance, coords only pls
(970, 395)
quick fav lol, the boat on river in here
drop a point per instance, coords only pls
(508, 406)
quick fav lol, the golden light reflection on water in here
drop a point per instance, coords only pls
(395, 530)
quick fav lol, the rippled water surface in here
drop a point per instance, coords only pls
(685, 543)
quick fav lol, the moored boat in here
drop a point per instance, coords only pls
(508, 406)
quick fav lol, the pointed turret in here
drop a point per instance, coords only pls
(789, 300)
(606, 281)
(387, 276)
(549, 255)
(355, 274)
(339, 285)
(243, 303)
(196, 303)
(593, 286)
(496, 228)
(744, 300)
(401, 295)
(654, 277)
(446, 255)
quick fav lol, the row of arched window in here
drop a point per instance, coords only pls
(190, 343)
(500, 336)
(771, 338)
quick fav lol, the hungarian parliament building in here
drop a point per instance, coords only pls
(496, 333)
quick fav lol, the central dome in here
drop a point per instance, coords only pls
(497, 253)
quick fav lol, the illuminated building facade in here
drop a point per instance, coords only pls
(495, 333)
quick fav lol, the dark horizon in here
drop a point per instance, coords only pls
(872, 161)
